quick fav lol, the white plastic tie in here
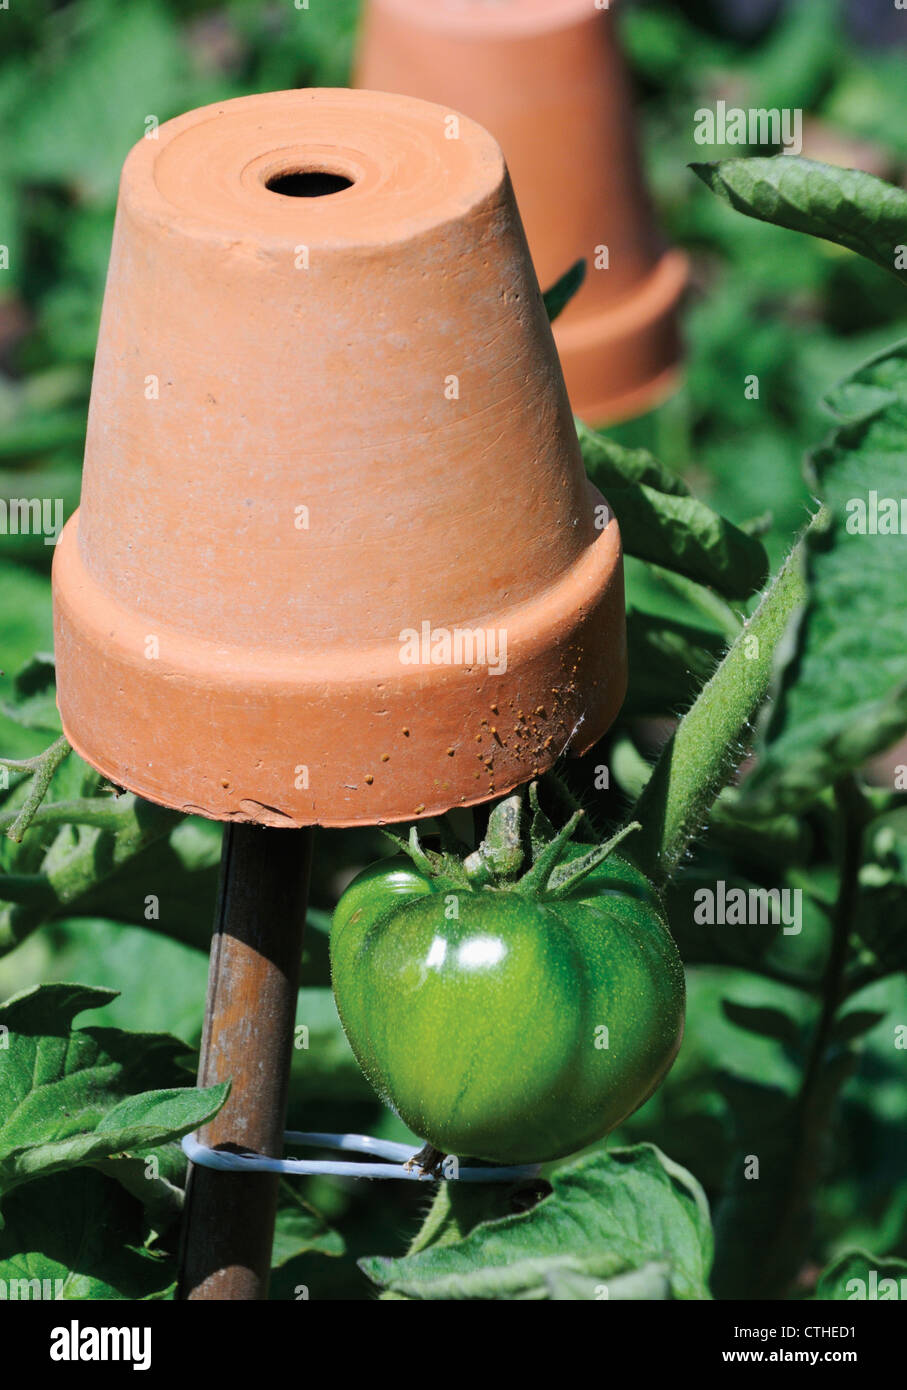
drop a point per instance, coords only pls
(205, 1157)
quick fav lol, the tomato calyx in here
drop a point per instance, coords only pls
(520, 852)
(428, 1161)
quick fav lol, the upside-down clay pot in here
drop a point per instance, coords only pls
(336, 560)
(547, 78)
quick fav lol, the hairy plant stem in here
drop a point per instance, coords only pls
(103, 812)
(455, 1209)
(42, 769)
(705, 748)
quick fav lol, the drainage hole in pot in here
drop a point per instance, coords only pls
(308, 183)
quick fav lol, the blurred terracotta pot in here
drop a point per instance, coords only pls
(336, 560)
(546, 77)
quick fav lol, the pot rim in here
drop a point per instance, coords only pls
(529, 625)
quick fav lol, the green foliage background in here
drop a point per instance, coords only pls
(77, 83)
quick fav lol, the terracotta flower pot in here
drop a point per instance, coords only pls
(336, 560)
(546, 77)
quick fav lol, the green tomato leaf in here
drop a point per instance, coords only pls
(562, 291)
(842, 693)
(857, 1275)
(107, 954)
(767, 1022)
(853, 1025)
(27, 626)
(67, 1095)
(779, 839)
(610, 1219)
(612, 465)
(846, 206)
(669, 661)
(78, 1236)
(77, 860)
(650, 1284)
(661, 523)
(666, 594)
(156, 1177)
(34, 702)
(683, 534)
(299, 1230)
(183, 867)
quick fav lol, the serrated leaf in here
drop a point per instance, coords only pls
(609, 1216)
(846, 206)
(562, 291)
(67, 1096)
(610, 464)
(683, 534)
(843, 691)
(857, 1275)
(82, 1234)
(767, 1022)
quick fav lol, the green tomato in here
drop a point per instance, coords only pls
(503, 1025)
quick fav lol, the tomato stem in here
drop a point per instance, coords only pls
(500, 855)
(428, 1160)
(42, 769)
(706, 747)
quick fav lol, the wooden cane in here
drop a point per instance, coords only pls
(253, 984)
